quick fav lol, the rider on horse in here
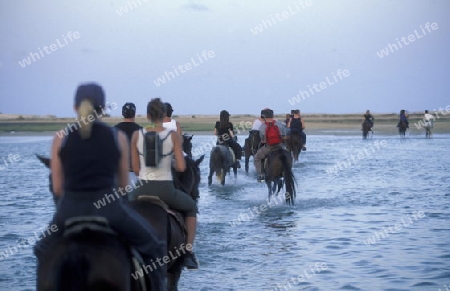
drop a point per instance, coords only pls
(169, 122)
(428, 119)
(87, 164)
(225, 135)
(403, 118)
(296, 126)
(128, 126)
(271, 132)
(368, 118)
(158, 180)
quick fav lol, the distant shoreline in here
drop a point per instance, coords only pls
(316, 124)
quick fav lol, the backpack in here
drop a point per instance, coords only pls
(273, 134)
(153, 148)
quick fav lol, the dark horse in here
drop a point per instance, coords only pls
(366, 129)
(294, 143)
(251, 146)
(402, 128)
(187, 144)
(278, 172)
(101, 260)
(220, 162)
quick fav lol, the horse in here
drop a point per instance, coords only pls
(366, 129)
(278, 172)
(79, 259)
(402, 128)
(251, 146)
(167, 223)
(187, 144)
(221, 161)
(428, 127)
(294, 144)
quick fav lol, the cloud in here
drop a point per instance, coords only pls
(198, 7)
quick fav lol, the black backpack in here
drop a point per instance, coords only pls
(153, 148)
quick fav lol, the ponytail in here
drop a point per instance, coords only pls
(84, 110)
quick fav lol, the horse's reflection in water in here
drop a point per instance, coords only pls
(91, 256)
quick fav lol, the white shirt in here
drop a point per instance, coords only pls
(172, 124)
(428, 117)
(257, 124)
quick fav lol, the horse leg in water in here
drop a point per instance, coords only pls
(247, 152)
(269, 186)
(211, 172)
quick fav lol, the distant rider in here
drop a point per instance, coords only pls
(403, 117)
(296, 126)
(428, 119)
(369, 118)
(225, 135)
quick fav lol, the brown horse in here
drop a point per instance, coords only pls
(251, 146)
(402, 127)
(100, 249)
(366, 129)
(278, 172)
(294, 144)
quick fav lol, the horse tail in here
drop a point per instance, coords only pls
(289, 180)
(73, 272)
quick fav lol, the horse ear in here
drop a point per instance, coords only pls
(190, 138)
(198, 161)
(44, 160)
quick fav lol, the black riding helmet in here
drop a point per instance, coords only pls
(168, 108)
(129, 110)
(267, 113)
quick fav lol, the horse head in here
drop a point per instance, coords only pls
(187, 144)
(189, 180)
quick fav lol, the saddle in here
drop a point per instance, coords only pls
(233, 157)
(175, 214)
(76, 225)
(272, 149)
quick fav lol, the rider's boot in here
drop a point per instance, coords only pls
(190, 261)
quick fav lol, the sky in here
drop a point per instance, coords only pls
(319, 56)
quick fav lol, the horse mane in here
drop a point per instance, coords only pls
(73, 270)
(75, 266)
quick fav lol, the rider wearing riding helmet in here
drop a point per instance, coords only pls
(128, 126)
(87, 164)
(267, 115)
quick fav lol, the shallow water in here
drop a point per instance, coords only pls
(379, 223)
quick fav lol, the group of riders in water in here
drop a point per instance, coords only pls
(402, 125)
(142, 238)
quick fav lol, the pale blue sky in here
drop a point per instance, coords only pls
(126, 53)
